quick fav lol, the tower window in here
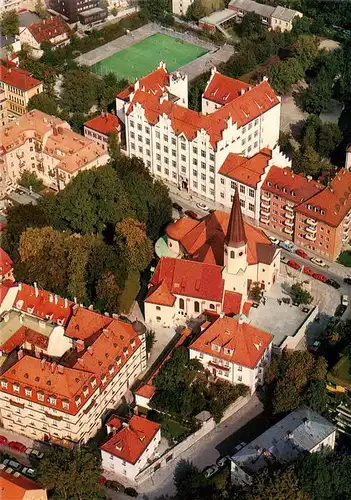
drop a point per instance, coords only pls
(232, 255)
(181, 303)
(241, 253)
(196, 306)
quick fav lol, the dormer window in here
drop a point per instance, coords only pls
(323, 212)
(228, 352)
(28, 391)
(65, 404)
(4, 384)
(269, 183)
(215, 347)
(16, 388)
(93, 382)
(77, 400)
(85, 391)
(40, 396)
(111, 369)
(52, 400)
(103, 379)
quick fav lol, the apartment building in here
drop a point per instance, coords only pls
(6, 5)
(179, 7)
(185, 147)
(273, 17)
(129, 445)
(234, 351)
(53, 30)
(15, 486)
(17, 86)
(302, 431)
(46, 146)
(62, 365)
(101, 127)
(70, 9)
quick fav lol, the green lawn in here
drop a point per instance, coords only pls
(143, 57)
(340, 373)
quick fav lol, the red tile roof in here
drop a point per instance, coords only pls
(17, 77)
(241, 111)
(246, 170)
(6, 264)
(235, 235)
(4, 288)
(23, 335)
(43, 304)
(15, 487)
(155, 83)
(246, 343)
(181, 227)
(161, 295)
(223, 89)
(114, 422)
(132, 440)
(286, 184)
(146, 391)
(105, 123)
(84, 323)
(49, 29)
(189, 279)
(331, 204)
(232, 303)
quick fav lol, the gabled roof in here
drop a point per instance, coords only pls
(131, 441)
(239, 343)
(331, 204)
(48, 29)
(232, 303)
(22, 335)
(17, 77)
(105, 123)
(286, 184)
(247, 171)
(161, 295)
(223, 89)
(154, 83)
(6, 263)
(15, 487)
(84, 323)
(236, 236)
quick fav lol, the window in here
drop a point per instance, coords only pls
(174, 142)
(251, 207)
(249, 149)
(240, 368)
(222, 194)
(166, 171)
(28, 391)
(15, 387)
(195, 184)
(140, 149)
(140, 139)
(181, 303)
(222, 180)
(165, 137)
(232, 185)
(240, 379)
(203, 188)
(148, 152)
(183, 146)
(158, 145)
(166, 160)
(183, 158)
(212, 157)
(148, 142)
(212, 169)
(131, 123)
(201, 356)
(194, 161)
(251, 193)
(232, 254)
(132, 145)
(242, 189)
(165, 149)
(212, 306)
(158, 157)
(195, 151)
(132, 135)
(242, 203)
(158, 308)
(139, 126)
(203, 153)
(194, 173)
(244, 130)
(203, 177)
(157, 134)
(243, 142)
(196, 306)
(158, 168)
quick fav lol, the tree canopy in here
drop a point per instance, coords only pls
(9, 23)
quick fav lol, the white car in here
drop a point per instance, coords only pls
(319, 262)
(28, 471)
(274, 240)
(209, 471)
(345, 300)
(202, 206)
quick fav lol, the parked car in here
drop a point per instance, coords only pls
(345, 300)
(17, 446)
(320, 277)
(293, 264)
(222, 461)
(301, 253)
(3, 440)
(28, 471)
(176, 206)
(315, 346)
(131, 492)
(274, 240)
(202, 206)
(339, 311)
(238, 447)
(347, 280)
(319, 262)
(333, 283)
(287, 245)
(13, 464)
(307, 271)
(36, 454)
(191, 214)
(114, 485)
(209, 471)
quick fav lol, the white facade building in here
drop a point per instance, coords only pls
(188, 148)
(129, 446)
(234, 351)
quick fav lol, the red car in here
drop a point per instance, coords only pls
(191, 214)
(320, 277)
(301, 253)
(3, 440)
(17, 446)
(308, 271)
(293, 264)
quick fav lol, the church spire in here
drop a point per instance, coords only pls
(236, 236)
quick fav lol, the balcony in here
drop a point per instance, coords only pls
(288, 215)
(22, 164)
(311, 237)
(265, 211)
(265, 204)
(288, 230)
(264, 219)
(289, 223)
(311, 222)
(289, 208)
(20, 154)
(265, 198)
(311, 230)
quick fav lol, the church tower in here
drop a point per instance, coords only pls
(235, 242)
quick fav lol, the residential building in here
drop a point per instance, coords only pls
(233, 350)
(129, 445)
(6, 266)
(6, 5)
(100, 127)
(53, 30)
(15, 486)
(281, 192)
(216, 260)
(70, 9)
(302, 431)
(96, 15)
(273, 17)
(46, 146)
(62, 366)
(180, 7)
(17, 86)
(187, 148)
(9, 47)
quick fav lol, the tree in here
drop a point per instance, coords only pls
(316, 396)
(284, 73)
(190, 483)
(196, 10)
(40, 9)
(72, 474)
(129, 292)
(44, 102)
(286, 397)
(310, 132)
(307, 162)
(282, 485)
(329, 137)
(316, 98)
(251, 26)
(31, 181)
(9, 23)
(157, 10)
(306, 49)
(150, 340)
(108, 291)
(255, 292)
(131, 235)
(76, 97)
(300, 295)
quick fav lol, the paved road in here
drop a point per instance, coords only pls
(218, 442)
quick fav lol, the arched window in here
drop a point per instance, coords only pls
(212, 306)
(232, 255)
(181, 303)
(196, 306)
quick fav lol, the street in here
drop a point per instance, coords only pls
(206, 451)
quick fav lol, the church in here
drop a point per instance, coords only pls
(216, 261)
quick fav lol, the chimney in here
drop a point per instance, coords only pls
(125, 424)
(20, 354)
(75, 309)
(242, 91)
(66, 303)
(105, 332)
(56, 299)
(42, 364)
(60, 369)
(91, 307)
(51, 298)
(53, 366)
(36, 289)
(79, 345)
(90, 350)
(19, 286)
(81, 362)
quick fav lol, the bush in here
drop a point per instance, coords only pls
(131, 492)
(31, 181)
(345, 258)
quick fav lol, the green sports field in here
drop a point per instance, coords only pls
(143, 57)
